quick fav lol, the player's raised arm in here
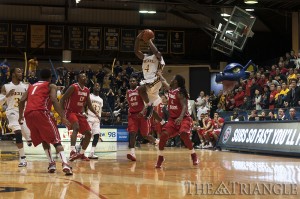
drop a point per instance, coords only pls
(137, 50)
(154, 49)
(163, 80)
(66, 95)
(56, 105)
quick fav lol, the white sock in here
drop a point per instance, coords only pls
(82, 151)
(73, 148)
(160, 152)
(93, 149)
(192, 151)
(49, 155)
(21, 152)
(132, 151)
(63, 157)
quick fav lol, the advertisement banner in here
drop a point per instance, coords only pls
(55, 37)
(37, 36)
(19, 35)
(270, 137)
(4, 33)
(106, 134)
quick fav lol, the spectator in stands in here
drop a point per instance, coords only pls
(265, 97)
(281, 115)
(247, 105)
(262, 116)
(118, 121)
(201, 99)
(291, 75)
(235, 117)
(111, 99)
(129, 69)
(273, 93)
(100, 76)
(261, 81)
(202, 109)
(271, 116)
(293, 96)
(257, 100)
(4, 68)
(292, 114)
(278, 98)
(253, 116)
(239, 97)
(118, 68)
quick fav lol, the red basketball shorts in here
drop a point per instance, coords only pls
(42, 127)
(174, 129)
(82, 121)
(136, 123)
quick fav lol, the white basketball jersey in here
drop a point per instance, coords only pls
(97, 103)
(150, 66)
(14, 100)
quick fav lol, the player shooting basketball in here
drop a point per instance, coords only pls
(152, 63)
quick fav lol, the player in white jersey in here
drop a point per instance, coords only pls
(94, 122)
(149, 89)
(11, 94)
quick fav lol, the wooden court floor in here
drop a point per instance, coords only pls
(221, 174)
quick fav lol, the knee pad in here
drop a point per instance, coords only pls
(95, 139)
(18, 136)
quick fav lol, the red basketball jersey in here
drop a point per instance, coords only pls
(159, 109)
(76, 102)
(174, 105)
(135, 102)
(38, 97)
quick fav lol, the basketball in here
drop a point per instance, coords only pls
(148, 34)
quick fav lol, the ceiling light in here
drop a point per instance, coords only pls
(225, 15)
(249, 9)
(250, 1)
(77, 1)
(147, 11)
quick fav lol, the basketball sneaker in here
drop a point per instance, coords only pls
(29, 143)
(72, 155)
(84, 158)
(149, 111)
(159, 162)
(52, 167)
(131, 157)
(67, 169)
(195, 159)
(93, 156)
(22, 164)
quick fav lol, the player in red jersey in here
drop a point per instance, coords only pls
(40, 97)
(179, 122)
(136, 120)
(74, 101)
(218, 123)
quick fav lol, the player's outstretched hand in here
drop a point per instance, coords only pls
(65, 122)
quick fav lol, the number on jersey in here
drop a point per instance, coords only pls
(33, 91)
(17, 102)
(147, 68)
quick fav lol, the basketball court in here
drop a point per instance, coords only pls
(221, 174)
